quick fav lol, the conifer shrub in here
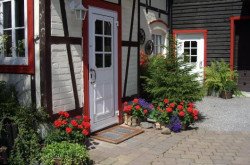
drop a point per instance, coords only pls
(171, 77)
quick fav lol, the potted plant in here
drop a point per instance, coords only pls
(135, 111)
(221, 79)
(64, 153)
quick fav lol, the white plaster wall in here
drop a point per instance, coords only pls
(56, 19)
(126, 22)
(74, 25)
(22, 84)
(160, 4)
(62, 91)
(127, 6)
(132, 72)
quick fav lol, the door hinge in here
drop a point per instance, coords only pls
(117, 23)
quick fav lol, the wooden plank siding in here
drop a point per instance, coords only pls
(212, 15)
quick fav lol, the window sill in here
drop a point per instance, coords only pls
(14, 61)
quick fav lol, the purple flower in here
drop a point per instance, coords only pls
(175, 124)
(145, 105)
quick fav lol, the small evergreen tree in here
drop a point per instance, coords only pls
(170, 77)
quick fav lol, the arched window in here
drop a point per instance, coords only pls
(159, 31)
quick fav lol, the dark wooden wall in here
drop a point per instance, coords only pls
(212, 15)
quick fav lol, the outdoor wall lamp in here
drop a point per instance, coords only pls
(79, 9)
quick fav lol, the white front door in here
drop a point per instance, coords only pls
(103, 68)
(191, 47)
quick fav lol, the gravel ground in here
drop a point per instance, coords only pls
(225, 115)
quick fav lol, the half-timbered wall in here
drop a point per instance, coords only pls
(127, 8)
(212, 15)
(61, 76)
(147, 16)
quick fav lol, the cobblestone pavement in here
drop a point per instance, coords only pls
(222, 138)
(188, 147)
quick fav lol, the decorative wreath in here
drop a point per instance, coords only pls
(149, 47)
(142, 36)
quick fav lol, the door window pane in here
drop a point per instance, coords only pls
(98, 27)
(99, 60)
(19, 9)
(7, 15)
(187, 51)
(107, 44)
(107, 28)
(99, 44)
(193, 58)
(108, 60)
(193, 44)
(186, 44)
(193, 51)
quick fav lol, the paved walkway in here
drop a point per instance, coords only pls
(198, 146)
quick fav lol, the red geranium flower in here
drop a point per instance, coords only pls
(145, 111)
(85, 132)
(65, 114)
(190, 110)
(127, 108)
(138, 107)
(181, 114)
(86, 118)
(182, 103)
(74, 123)
(196, 118)
(58, 123)
(61, 113)
(191, 105)
(195, 112)
(166, 101)
(135, 101)
(169, 109)
(125, 103)
(64, 122)
(68, 130)
(80, 126)
(180, 107)
(86, 125)
(172, 105)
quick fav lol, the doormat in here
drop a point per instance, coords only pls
(117, 134)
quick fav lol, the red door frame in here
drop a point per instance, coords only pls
(232, 36)
(195, 31)
(107, 6)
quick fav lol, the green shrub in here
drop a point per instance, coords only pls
(220, 78)
(26, 149)
(67, 153)
(170, 77)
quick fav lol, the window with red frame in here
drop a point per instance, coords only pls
(13, 32)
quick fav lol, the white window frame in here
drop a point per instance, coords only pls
(14, 60)
(158, 43)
